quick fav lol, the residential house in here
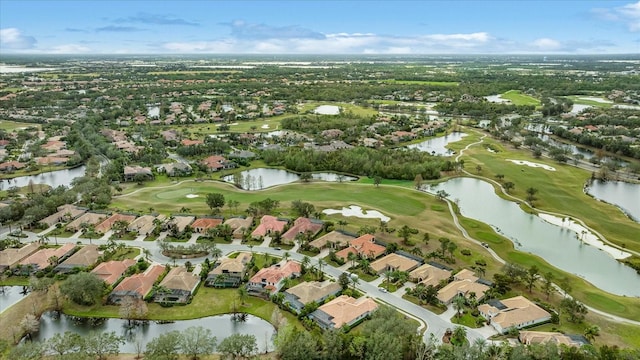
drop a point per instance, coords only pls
(517, 312)
(229, 272)
(302, 226)
(270, 280)
(170, 135)
(145, 224)
(429, 274)
(110, 272)
(543, 337)
(12, 166)
(239, 225)
(202, 225)
(84, 258)
(464, 284)
(177, 169)
(394, 262)
(138, 285)
(51, 160)
(336, 240)
(65, 213)
(177, 286)
(42, 258)
(269, 225)
(131, 172)
(343, 310)
(179, 222)
(189, 142)
(106, 225)
(314, 291)
(89, 218)
(217, 163)
(10, 257)
(363, 246)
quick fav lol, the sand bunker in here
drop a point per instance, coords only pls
(532, 164)
(327, 110)
(265, 126)
(191, 196)
(356, 211)
(583, 234)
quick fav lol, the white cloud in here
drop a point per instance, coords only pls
(69, 49)
(12, 38)
(628, 14)
(546, 44)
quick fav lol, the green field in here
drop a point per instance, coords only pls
(9, 125)
(577, 100)
(422, 82)
(518, 98)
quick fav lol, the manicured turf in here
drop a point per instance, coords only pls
(9, 125)
(577, 100)
(422, 82)
(518, 98)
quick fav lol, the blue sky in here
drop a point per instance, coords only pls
(320, 27)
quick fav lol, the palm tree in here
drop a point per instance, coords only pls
(286, 256)
(320, 264)
(458, 304)
(243, 293)
(591, 332)
(342, 224)
(352, 257)
(216, 253)
(305, 263)
(531, 192)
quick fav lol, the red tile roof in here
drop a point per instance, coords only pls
(301, 226)
(205, 223)
(269, 224)
(363, 246)
(111, 271)
(141, 283)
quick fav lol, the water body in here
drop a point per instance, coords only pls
(262, 178)
(327, 110)
(557, 245)
(437, 146)
(622, 194)
(9, 295)
(221, 326)
(51, 178)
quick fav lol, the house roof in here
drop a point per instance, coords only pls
(302, 225)
(345, 309)
(307, 292)
(364, 246)
(543, 337)
(144, 224)
(106, 225)
(465, 274)
(232, 265)
(214, 162)
(189, 142)
(72, 210)
(336, 237)
(41, 258)
(206, 223)
(274, 274)
(141, 283)
(182, 221)
(239, 224)
(111, 271)
(9, 257)
(268, 224)
(86, 256)
(464, 287)
(179, 278)
(517, 310)
(395, 261)
(88, 218)
(429, 275)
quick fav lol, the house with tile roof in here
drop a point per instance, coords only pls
(429, 274)
(180, 222)
(343, 310)
(130, 172)
(464, 284)
(239, 225)
(84, 258)
(145, 224)
(106, 225)
(138, 285)
(336, 240)
(269, 225)
(229, 272)
(516, 312)
(10, 257)
(202, 225)
(303, 226)
(111, 271)
(394, 262)
(177, 286)
(311, 291)
(270, 280)
(65, 213)
(189, 142)
(544, 337)
(364, 246)
(217, 163)
(40, 259)
(89, 218)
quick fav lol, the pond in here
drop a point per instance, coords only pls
(51, 178)
(622, 194)
(221, 326)
(558, 245)
(438, 146)
(262, 178)
(9, 295)
(327, 110)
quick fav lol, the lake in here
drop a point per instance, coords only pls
(558, 245)
(262, 178)
(51, 178)
(221, 326)
(438, 146)
(9, 295)
(622, 194)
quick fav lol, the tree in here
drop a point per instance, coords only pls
(405, 233)
(500, 177)
(233, 205)
(333, 345)
(591, 332)
(442, 195)
(377, 180)
(83, 288)
(547, 286)
(295, 344)
(531, 192)
(99, 345)
(444, 245)
(344, 281)
(531, 277)
(238, 346)
(458, 304)
(27, 351)
(215, 201)
(575, 310)
(388, 335)
(163, 347)
(30, 325)
(64, 344)
(196, 341)
(508, 186)
(303, 209)
(306, 177)
(243, 294)
(479, 169)
(132, 308)
(459, 336)
(417, 181)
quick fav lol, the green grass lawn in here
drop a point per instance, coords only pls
(422, 82)
(9, 125)
(466, 319)
(518, 98)
(577, 100)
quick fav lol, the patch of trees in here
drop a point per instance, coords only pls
(386, 163)
(210, 146)
(482, 108)
(316, 124)
(609, 143)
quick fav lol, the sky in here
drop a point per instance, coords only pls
(320, 27)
